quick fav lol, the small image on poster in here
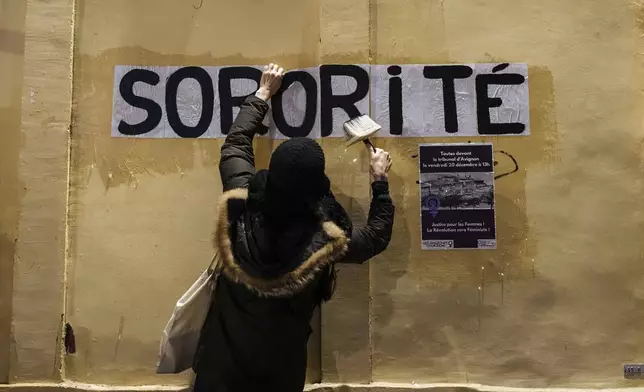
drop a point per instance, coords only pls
(457, 196)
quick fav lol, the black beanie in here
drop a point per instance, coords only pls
(296, 170)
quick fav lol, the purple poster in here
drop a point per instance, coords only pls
(457, 196)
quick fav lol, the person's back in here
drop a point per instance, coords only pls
(278, 235)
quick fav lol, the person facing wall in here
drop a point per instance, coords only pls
(279, 234)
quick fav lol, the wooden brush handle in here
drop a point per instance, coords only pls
(368, 143)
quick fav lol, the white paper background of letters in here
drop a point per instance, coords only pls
(423, 110)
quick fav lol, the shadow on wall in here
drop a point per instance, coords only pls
(12, 24)
(12, 191)
(345, 344)
(394, 262)
(7, 250)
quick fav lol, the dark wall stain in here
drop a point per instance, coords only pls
(70, 339)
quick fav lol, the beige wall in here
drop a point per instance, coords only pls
(142, 213)
(569, 309)
(42, 165)
(12, 20)
(560, 303)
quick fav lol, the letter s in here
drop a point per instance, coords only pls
(126, 88)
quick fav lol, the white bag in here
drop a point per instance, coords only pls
(181, 334)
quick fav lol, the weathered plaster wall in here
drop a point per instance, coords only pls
(35, 201)
(12, 20)
(558, 304)
(142, 213)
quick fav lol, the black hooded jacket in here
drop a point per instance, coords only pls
(255, 336)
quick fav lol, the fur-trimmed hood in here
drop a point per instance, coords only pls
(330, 244)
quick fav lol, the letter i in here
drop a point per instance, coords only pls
(395, 100)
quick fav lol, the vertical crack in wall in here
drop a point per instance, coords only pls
(62, 349)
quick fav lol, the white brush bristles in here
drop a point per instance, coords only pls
(360, 128)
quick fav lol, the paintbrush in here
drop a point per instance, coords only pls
(360, 129)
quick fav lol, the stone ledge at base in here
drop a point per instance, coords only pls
(325, 387)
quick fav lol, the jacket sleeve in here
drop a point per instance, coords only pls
(373, 238)
(237, 162)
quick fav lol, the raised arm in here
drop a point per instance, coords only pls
(373, 238)
(237, 163)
